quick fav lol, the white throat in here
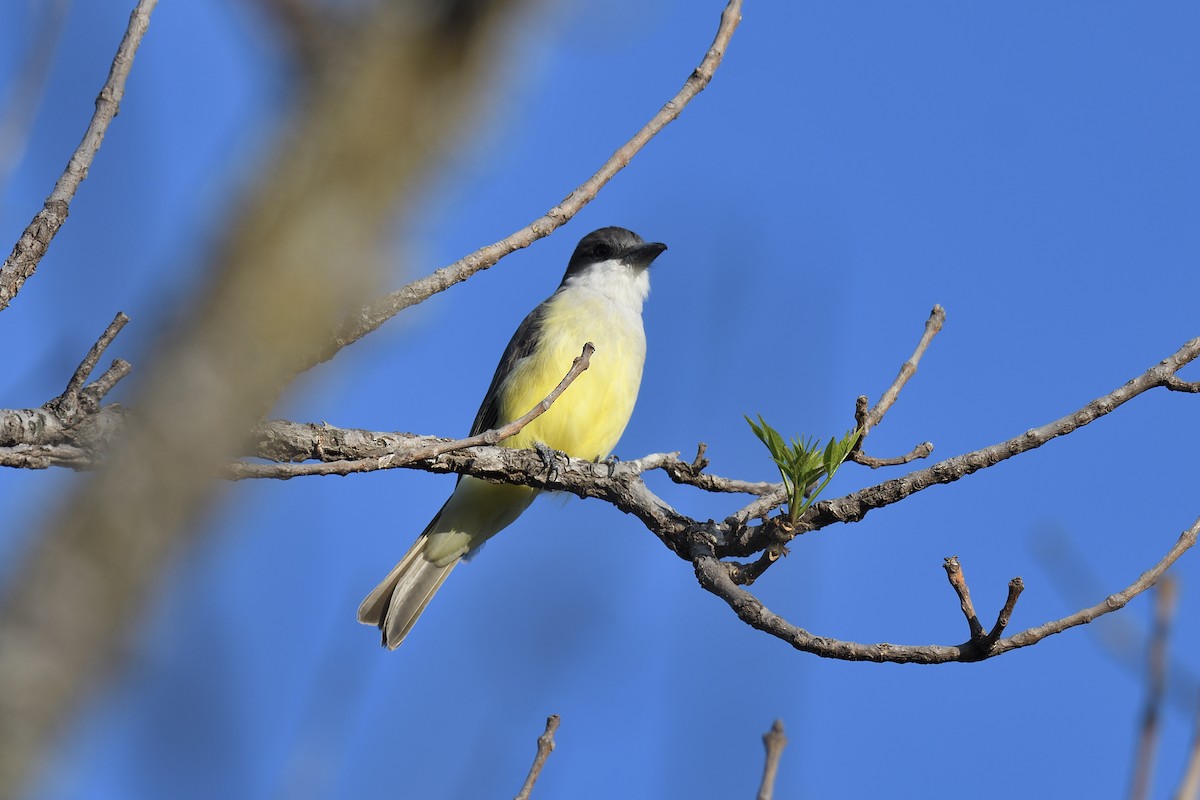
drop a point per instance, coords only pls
(621, 284)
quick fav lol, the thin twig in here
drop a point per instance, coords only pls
(545, 746)
(1015, 587)
(1177, 384)
(84, 370)
(383, 309)
(747, 574)
(937, 318)
(920, 451)
(758, 508)
(774, 741)
(94, 392)
(867, 418)
(1156, 681)
(34, 242)
(693, 474)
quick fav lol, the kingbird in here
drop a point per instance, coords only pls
(600, 301)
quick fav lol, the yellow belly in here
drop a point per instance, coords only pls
(588, 418)
(585, 422)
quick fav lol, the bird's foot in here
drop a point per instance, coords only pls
(548, 454)
(611, 462)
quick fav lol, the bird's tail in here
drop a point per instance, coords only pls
(476, 511)
(397, 602)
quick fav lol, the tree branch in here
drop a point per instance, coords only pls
(380, 311)
(73, 401)
(856, 505)
(545, 746)
(703, 543)
(959, 582)
(421, 448)
(714, 576)
(34, 242)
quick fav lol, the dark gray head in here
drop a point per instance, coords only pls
(619, 245)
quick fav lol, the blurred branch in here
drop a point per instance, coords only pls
(380, 311)
(545, 746)
(34, 242)
(302, 249)
(307, 28)
(1156, 679)
(1122, 639)
(29, 85)
(1189, 786)
(774, 741)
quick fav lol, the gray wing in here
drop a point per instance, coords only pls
(519, 347)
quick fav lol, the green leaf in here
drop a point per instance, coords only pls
(801, 462)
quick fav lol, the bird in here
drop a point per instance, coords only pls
(600, 301)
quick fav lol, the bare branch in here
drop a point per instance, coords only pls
(67, 404)
(959, 582)
(920, 451)
(693, 475)
(867, 418)
(746, 574)
(34, 456)
(1176, 384)
(981, 641)
(714, 576)
(856, 505)
(421, 449)
(34, 242)
(545, 746)
(774, 741)
(95, 392)
(383, 309)
(704, 544)
(757, 509)
(1015, 587)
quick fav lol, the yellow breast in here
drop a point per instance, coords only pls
(588, 418)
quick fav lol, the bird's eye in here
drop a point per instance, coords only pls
(602, 251)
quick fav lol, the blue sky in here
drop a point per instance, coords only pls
(1031, 167)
